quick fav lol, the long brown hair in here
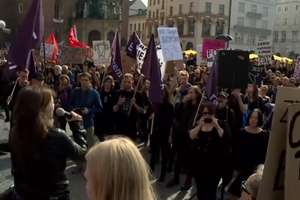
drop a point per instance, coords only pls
(31, 120)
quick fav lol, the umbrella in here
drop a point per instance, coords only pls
(225, 37)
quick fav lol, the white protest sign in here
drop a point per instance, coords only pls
(170, 43)
(264, 50)
(272, 185)
(297, 69)
(292, 166)
(199, 49)
(48, 52)
(140, 55)
(102, 52)
(161, 62)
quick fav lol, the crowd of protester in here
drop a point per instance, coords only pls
(225, 140)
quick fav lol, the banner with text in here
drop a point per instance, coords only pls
(264, 50)
(170, 43)
(210, 48)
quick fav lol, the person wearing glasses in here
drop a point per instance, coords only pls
(207, 153)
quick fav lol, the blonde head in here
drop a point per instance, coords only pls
(116, 170)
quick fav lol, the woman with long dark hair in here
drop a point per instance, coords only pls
(207, 153)
(159, 144)
(38, 151)
(252, 148)
(104, 122)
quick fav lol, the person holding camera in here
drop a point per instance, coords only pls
(207, 152)
(39, 152)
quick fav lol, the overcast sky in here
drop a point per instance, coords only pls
(145, 2)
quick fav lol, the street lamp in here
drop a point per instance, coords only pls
(3, 27)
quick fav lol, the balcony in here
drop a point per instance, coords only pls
(254, 15)
(245, 29)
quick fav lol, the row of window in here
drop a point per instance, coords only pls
(190, 31)
(242, 7)
(248, 39)
(284, 36)
(252, 22)
(208, 10)
(286, 8)
(139, 27)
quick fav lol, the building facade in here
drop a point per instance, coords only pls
(95, 19)
(194, 19)
(286, 35)
(137, 19)
(251, 21)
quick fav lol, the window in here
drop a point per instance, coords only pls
(295, 36)
(283, 36)
(130, 28)
(180, 9)
(241, 7)
(157, 2)
(163, 4)
(56, 10)
(149, 15)
(157, 13)
(150, 2)
(220, 28)
(286, 9)
(221, 9)
(206, 26)
(191, 6)
(21, 8)
(265, 11)
(240, 21)
(154, 2)
(239, 37)
(191, 26)
(171, 11)
(208, 7)
(254, 8)
(275, 36)
(264, 24)
(285, 21)
(180, 27)
(297, 7)
(251, 39)
(139, 27)
(153, 15)
(134, 27)
(252, 23)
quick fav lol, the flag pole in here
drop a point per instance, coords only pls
(44, 52)
(199, 106)
(134, 94)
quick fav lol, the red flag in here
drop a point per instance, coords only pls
(73, 40)
(52, 41)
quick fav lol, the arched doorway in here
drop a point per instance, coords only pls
(110, 36)
(94, 35)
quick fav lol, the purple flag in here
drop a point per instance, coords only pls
(29, 35)
(151, 71)
(30, 64)
(211, 87)
(116, 62)
(132, 45)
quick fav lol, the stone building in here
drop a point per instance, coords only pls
(137, 19)
(194, 19)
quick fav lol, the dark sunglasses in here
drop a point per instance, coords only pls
(206, 113)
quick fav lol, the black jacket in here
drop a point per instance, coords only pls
(42, 177)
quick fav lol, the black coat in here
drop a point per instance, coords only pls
(43, 175)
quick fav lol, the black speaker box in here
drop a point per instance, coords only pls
(233, 69)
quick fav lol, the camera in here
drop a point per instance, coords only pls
(208, 120)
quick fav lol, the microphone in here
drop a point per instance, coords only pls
(60, 112)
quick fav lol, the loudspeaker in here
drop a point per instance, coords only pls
(233, 69)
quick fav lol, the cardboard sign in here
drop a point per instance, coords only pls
(71, 55)
(170, 43)
(272, 185)
(292, 166)
(49, 50)
(264, 50)
(102, 52)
